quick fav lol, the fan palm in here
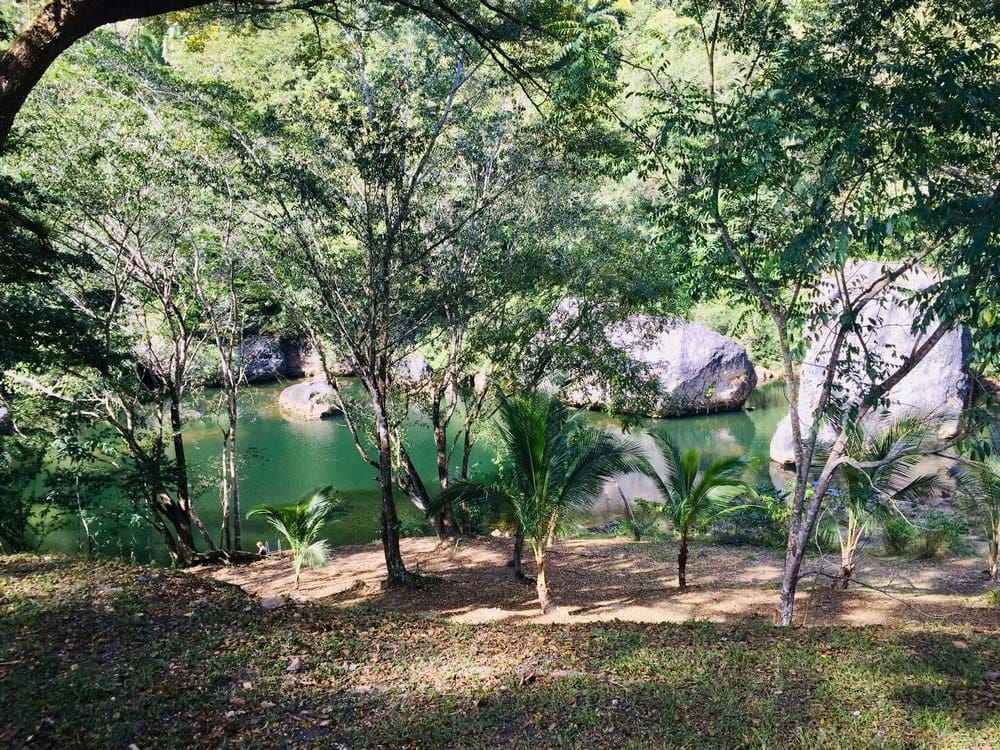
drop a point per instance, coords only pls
(879, 474)
(695, 496)
(301, 524)
(553, 466)
(979, 497)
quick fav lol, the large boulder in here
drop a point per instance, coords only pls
(694, 369)
(262, 359)
(938, 387)
(302, 359)
(308, 400)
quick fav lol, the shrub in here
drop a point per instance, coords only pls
(647, 519)
(939, 535)
(763, 522)
(898, 535)
(417, 528)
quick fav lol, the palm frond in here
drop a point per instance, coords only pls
(695, 496)
(301, 524)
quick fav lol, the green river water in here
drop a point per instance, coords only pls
(282, 460)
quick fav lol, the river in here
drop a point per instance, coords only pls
(282, 460)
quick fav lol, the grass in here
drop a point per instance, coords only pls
(106, 654)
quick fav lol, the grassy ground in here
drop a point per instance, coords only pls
(107, 655)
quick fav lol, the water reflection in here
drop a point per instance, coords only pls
(747, 433)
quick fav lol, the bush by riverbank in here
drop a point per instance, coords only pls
(101, 654)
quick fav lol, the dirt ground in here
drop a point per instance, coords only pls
(602, 579)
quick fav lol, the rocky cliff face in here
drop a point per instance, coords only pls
(262, 359)
(301, 359)
(938, 387)
(693, 369)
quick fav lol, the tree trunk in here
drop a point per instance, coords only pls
(180, 519)
(234, 480)
(225, 540)
(446, 526)
(180, 459)
(786, 597)
(994, 548)
(58, 24)
(541, 587)
(397, 574)
(517, 559)
(840, 582)
(682, 560)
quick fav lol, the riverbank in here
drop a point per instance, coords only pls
(597, 580)
(104, 654)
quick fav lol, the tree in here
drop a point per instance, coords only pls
(222, 304)
(301, 524)
(870, 494)
(553, 466)
(788, 141)
(367, 214)
(694, 495)
(58, 24)
(979, 498)
(117, 210)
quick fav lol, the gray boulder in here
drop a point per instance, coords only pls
(938, 387)
(308, 400)
(262, 359)
(6, 423)
(302, 360)
(696, 370)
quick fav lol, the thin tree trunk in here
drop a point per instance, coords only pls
(234, 479)
(180, 459)
(541, 587)
(994, 572)
(225, 540)
(631, 516)
(517, 559)
(682, 559)
(446, 526)
(397, 574)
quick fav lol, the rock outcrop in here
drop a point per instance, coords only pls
(262, 359)
(308, 400)
(302, 360)
(693, 369)
(938, 387)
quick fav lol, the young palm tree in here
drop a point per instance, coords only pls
(878, 475)
(979, 497)
(553, 466)
(693, 495)
(301, 525)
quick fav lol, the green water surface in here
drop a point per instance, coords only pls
(282, 460)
